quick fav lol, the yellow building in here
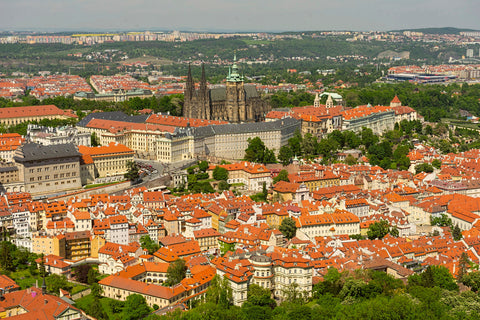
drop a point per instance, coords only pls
(16, 115)
(46, 245)
(289, 191)
(216, 212)
(108, 160)
(252, 175)
(315, 180)
(96, 242)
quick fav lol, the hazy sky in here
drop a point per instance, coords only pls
(238, 15)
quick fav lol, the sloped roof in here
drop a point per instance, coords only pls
(34, 152)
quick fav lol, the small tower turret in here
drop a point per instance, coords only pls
(329, 103)
(316, 102)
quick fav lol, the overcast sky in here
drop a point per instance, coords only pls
(236, 15)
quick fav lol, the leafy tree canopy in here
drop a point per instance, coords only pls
(288, 228)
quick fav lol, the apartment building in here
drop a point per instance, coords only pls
(377, 118)
(108, 160)
(57, 135)
(48, 169)
(229, 141)
(15, 115)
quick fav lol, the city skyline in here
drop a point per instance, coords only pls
(215, 15)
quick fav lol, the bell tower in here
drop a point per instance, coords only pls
(235, 94)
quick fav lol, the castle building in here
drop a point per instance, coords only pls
(236, 102)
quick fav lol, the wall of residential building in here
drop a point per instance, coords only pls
(51, 176)
(87, 173)
(379, 122)
(287, 277)
(48, 245)
(18, 120)
(111, 164)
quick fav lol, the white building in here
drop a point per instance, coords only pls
(57, 135)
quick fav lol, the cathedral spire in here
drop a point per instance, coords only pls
(316, 102)
(189, 85)
(233, 75)
(203, 81)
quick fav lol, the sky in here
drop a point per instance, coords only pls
(238, 15)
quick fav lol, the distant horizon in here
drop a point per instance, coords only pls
(219, 30)
(236, 16)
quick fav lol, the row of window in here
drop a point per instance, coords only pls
(61, 167)
(56, 183)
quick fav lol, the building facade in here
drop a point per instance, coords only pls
(229, 141)
(57, 135)
(16, 115)
(236, 102)
(378, 118)
(48, 169)
(109, 160)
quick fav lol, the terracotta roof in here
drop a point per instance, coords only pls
(32, 111)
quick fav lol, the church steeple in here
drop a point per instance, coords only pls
(316, 102)
(203, 81)
(189, 85)
(233, 75)
(329, 103)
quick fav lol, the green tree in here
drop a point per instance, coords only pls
(220, 173)
(332, 283)
(132, 171)
(428, 130)
(288, 228)
(295, 143)
(309, 145)
(368, 137)
(255, 151)
(226, 247)
(96, 290)
(176, 272)
(56, 282)
(285, 155)
(338, 137)
(456, 233)
(351, 139)
(472, 280)
(269, 157)
(81, 273)
(350, 160)
(423, 167)
(223, 185)
(96, 309)
(135, 308)
(92, 276)
(378, 230)
(147, 243)
(264, 190)
(294, 295)
(394, 231)
(220, 292)
(442, 221)
(6, 258)
(434, 276)
(463, 265)
(260, 296)
(436, 163)
(282, 176)
(353, 288)
(203, 166)
(94, 141)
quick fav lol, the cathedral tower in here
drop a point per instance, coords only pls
(235, 94)
(203, 97)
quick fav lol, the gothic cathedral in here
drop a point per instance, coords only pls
(236, 102)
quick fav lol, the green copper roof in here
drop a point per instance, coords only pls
(233, 75)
